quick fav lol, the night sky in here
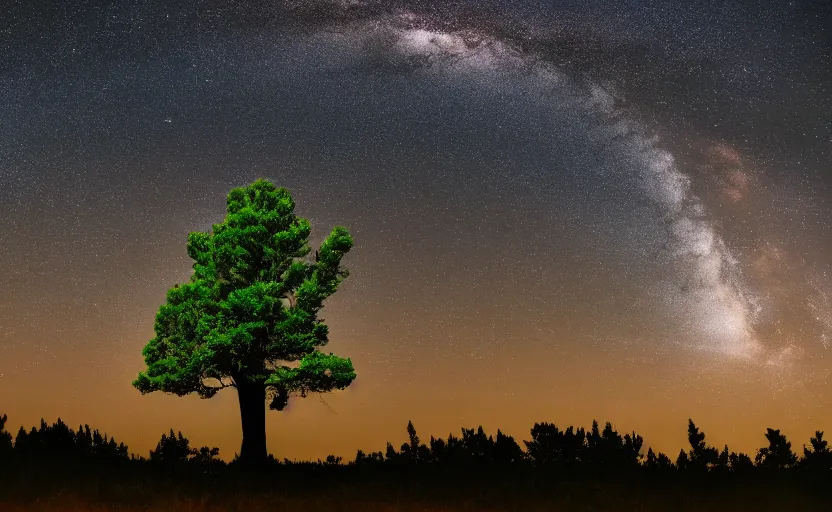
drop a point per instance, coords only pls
(562, 210)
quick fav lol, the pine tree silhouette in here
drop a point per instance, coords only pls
(819, 458)
(740, 462)
(6, 445)
(778, 454)
(701, 457)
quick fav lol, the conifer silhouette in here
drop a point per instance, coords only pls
(778, 454)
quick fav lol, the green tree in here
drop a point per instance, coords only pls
(248, 317)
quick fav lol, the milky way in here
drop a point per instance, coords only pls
(707, 291)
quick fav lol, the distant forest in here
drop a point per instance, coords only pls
(597, 450)
(59, 468)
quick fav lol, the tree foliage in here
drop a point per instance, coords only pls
(250, 310)
(248, 318)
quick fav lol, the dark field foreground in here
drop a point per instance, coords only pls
(338, 490)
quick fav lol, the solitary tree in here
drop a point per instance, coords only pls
(248, 317)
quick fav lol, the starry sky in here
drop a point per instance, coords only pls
(563, 210)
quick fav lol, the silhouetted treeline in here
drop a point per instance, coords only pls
(600, 450)
(550, 448)
(59, 442)
(555, 469)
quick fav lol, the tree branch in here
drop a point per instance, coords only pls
(290, 297)
(222, 385)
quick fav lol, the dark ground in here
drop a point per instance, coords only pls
(342, 489)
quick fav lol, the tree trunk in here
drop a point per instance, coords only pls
(252, 397)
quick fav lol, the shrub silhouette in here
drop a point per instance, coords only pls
(371, 460)
(174, 450)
